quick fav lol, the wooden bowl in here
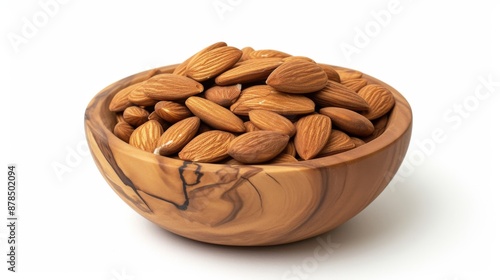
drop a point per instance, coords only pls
(245, 205)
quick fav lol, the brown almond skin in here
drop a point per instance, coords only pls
(337, 95)
(355, 84)
(257, 146)
(210, 146)
(330, 72)
(181, 68)
(380, 125)
(135, 115)
(338, 142)
(146, 136)
(212, 63)
(119, 117)
(215, 115)
(252, 70)
(250, 126)
(357, 142)
(177, 136)
(292, 58)
(225, 96)
(290, 149)
(140, 98)
(349, 121)
(380, 100)
(267, 120)
(298, 77)
(312, 135)
(123, 130)
(172, 112)
(264, 97)
(120, 101)
(283, 158)
(232, 161)
(267, 53)
(348, 74)
(170, 87)
(246, 53)
(154, 116)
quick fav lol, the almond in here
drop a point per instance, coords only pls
(215, 115)
(212, 63)
(298, 76)
(210, 146)
(225, 96)
(355, 84)
(380, 100)
(120, 101)
(380, 124)
(257, 146)
(171, 111)
(290, 149)
(177, 136)
(135, 115)
(337, 95)
(267, 120)
(330, 72)
(337, 142)
(169, 87)
(181, 68)
(232, 161)
(140, 98)
(250, 126)
(312, 134)
(357, 142)
(123, 131)
(286, 108)
(349, 121)
(267, 53)
(291, 58)
(119, 117)
(348, 74)
(246, 53)
(146, 136)
(264, 97)
(283, 158)
(154, 116)
(249, 71)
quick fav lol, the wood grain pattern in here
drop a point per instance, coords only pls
(245, 205)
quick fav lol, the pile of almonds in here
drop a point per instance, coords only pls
(226, 105)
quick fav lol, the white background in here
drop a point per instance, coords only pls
(440, 220)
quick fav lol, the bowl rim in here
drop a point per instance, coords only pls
(393, 132)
